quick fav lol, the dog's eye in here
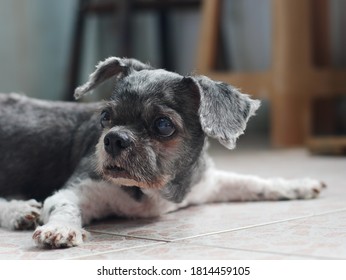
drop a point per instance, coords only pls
(164, 127)
(105, 119)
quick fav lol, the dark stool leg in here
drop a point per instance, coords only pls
(76, 52)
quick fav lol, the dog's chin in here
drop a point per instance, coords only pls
(134, 183)
(115, 171)
(120, 176)
(127, 182)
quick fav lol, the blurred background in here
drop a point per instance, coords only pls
(291, 54)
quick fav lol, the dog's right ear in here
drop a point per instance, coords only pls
(110, 67)
(223, 110)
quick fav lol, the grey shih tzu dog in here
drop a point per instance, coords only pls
(142, 153)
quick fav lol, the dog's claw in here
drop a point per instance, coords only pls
(316, 191)
(36, 234)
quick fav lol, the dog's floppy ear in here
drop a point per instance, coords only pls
(223, 110)
(110, 67)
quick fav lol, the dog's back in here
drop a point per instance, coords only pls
(36, 143)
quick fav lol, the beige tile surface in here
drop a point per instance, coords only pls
(209, 219)
(19, 245)
(189, 251)
(321, 236)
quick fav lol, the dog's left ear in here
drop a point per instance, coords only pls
(110, 67)
(223, 110)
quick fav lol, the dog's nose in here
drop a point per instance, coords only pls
(115, 142)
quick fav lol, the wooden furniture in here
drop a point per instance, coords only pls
(300, 69)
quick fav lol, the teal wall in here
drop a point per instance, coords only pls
(34, 41)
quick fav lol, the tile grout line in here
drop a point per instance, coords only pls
(130, 236)
(218, 232)
(330, 212)
(232, 230)
(258, 225)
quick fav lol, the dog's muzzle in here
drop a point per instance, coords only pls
(116, 142)
(120, 162)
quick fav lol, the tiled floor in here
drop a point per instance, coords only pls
(311, 229)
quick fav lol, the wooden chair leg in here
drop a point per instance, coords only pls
(291, 67)
(207, 48)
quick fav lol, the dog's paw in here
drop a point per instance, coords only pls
(305, 188)
(309, 188)
(21, 215)
(59, 236)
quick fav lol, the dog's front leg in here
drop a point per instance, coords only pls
(65, 212)
(62, 220)
(221, 186)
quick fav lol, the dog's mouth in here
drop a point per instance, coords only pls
(115, 168)
(117, 171)
(121, 176)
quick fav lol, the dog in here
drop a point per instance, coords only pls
(142, 153)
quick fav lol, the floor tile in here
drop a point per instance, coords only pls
(18, 245)
(183, 251)
(321, 236)
(207, 219)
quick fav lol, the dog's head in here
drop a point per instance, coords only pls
(156, 122)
